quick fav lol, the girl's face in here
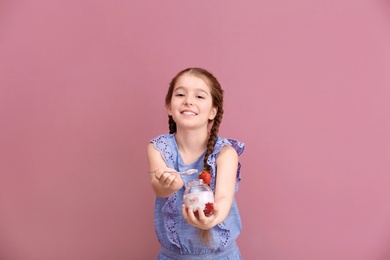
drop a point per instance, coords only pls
(191, 104)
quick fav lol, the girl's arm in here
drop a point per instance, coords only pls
(163, 181)
(227, 164)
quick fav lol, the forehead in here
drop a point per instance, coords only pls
(192, 81)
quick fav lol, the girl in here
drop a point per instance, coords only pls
(194, 104)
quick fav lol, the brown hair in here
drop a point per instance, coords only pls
(217, 99)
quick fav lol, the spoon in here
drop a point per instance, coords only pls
(187, 172)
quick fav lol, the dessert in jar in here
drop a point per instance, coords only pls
(199, 195)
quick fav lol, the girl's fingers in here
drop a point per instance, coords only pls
(171, 178)
(215, 209)
(201, 214)
(159, 173)
(184, 211)
(189, 215)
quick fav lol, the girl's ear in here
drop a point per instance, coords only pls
(213, 113)
(169, 110)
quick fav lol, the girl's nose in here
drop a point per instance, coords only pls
(189, 101)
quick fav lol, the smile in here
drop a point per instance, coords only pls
(187, 112)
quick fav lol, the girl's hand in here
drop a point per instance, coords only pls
(201, 222)
(168, 178)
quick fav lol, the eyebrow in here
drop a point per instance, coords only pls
(197, 89)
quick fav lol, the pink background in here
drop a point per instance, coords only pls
(82, 86)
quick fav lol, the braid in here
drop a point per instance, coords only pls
(213, 136)
(172, 125)
(205, 235)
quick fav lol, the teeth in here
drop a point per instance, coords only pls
(189, 113)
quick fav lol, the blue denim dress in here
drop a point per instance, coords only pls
(177, 238)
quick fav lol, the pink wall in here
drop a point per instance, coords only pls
(82, 85)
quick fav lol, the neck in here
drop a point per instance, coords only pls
(191, 141)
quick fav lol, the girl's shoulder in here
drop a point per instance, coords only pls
(162, 138)
(221, 142)
(166, 145)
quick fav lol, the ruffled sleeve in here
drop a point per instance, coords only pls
(219, 144)
(169, 210)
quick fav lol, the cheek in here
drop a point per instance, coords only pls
(172, 107)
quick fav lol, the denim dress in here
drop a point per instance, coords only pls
(177, 238)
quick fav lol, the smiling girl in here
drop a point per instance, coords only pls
(194, 104)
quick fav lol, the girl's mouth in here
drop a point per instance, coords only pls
(188, 112)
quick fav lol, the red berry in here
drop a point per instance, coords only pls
(208, 209)
(205, 176)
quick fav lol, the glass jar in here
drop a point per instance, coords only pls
(199, 195)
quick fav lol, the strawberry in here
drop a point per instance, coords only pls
(205, 176)
(209, 208)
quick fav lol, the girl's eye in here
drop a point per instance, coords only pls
(179, 95)
(201, 97)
